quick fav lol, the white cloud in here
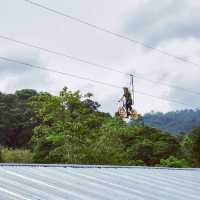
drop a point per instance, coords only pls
(159, 21)
(36, 26)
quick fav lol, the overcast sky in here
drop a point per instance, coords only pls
(170, 25)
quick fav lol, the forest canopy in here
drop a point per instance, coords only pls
(176, 122)
(69, 128)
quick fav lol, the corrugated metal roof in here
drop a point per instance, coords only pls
(77, 182)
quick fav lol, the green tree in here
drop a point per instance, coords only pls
(173, 162)
(67, 127)
(186, 149)
(108, 147)
(150, 144)
(15, 119)
(25, 94)
(195, 136)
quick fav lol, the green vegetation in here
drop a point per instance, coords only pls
(15, 119)
(176, 122)
(16, 156)
(69, 128)
(173, 162)
(195, 146)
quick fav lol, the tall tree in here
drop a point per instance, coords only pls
(15, 118)
(196, 145)
(68, 123)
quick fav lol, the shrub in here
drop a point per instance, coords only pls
(16, 156)
(172, 162)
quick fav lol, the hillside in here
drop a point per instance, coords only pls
(174, 122)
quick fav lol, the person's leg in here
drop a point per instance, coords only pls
(127, 109)
(130, 107)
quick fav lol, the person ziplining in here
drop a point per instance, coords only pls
(127, 101)
(127, 109)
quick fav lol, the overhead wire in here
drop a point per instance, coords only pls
(57, 72)
(87, 79)
(93, 64)
(160, 82)
(102, 29)
(62, 54)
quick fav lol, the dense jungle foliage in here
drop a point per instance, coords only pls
(176, 122)
(69, 128)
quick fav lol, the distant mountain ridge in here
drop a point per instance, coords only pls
(176, 122)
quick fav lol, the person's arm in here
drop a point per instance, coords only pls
(121, 99)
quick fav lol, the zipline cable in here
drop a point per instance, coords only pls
(87, 79)
(58, 72)
(62, 54)
(136, 75)
(94, 26)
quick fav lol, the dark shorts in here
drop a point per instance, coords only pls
(128, 104)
